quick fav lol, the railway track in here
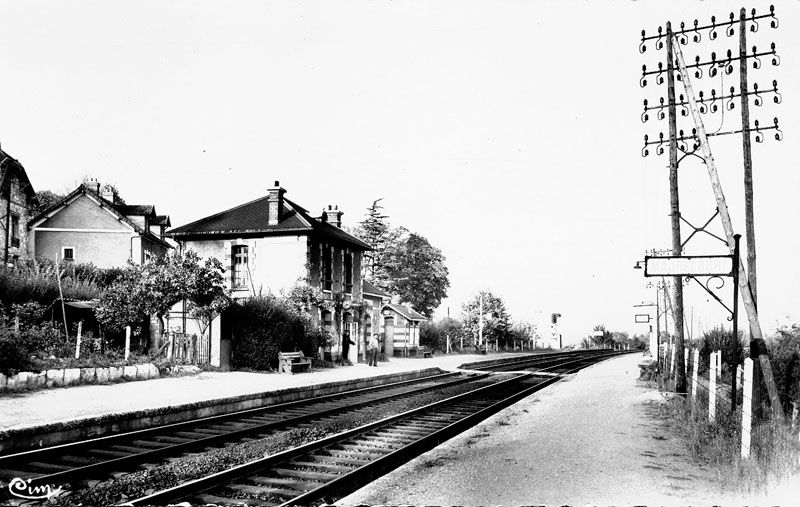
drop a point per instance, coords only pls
(331, 468)
(537, 362)
(102, 457)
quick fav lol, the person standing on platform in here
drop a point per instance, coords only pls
(346, 342)
(373, 350)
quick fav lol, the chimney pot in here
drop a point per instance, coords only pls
(332, 215)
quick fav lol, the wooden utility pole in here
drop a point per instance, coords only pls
(61, 295)
(750, 234)
(675, 213)
(749, 222)
(722, 207)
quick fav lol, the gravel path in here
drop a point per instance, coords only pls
(590, 439)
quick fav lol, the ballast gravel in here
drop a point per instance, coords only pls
(127, 486)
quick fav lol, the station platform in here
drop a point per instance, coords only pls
(594, 438)
(49, 416)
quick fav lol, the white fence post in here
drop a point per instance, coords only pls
(719, 364)
(695, 364)
(127, 341)
(712, 387)
(747, 406)
(78, 342)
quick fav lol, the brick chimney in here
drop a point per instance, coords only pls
(92, 184)
(275, 204)
(108, 194)
(332, 215)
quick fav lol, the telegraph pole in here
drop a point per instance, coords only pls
(747, 298)
(748, 158)
(749, 222)
(675, 213)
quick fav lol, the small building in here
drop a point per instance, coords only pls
(91, 225)
(401, 325)
(17, 199)
(270, 244)
(373, 322)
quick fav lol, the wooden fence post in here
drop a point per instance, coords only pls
(747, 406)
(712, 387)
(127, 342)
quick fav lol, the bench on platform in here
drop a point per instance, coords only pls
(423, 351)
(289, 361)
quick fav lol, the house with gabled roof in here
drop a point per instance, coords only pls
(17, 198)
(268, 244)
(401, 323)
(92, 225)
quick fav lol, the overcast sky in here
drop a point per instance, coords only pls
(506, 132)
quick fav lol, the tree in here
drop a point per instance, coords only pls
(154, 287)
(403, 263)
(418, 274)
(435, 334)
(124, 303)
(496, 321)
(44, 200)
(374, 230)
(604, 339)
(523, 332)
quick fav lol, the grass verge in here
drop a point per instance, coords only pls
(775, 450)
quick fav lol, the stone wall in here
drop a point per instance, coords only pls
(26, 380)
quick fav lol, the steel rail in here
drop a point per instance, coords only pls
(350, 482)
(368, 471)
(563, 355)
(124, 462)
(194, 486)
(487, 364)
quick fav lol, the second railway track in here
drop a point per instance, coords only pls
(330, 468)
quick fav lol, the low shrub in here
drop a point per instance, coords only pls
(784, 355)
(19, 350)
(264, 326)
(37, 281)
(723, 340)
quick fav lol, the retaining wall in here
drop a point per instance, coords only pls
(26, 380)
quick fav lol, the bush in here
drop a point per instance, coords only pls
(434, 334)
(723, 340)
(784, 355)
(264, 326)
(36, 281)
(19, 350)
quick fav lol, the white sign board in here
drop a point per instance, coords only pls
(709, 265)
(642, 318)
